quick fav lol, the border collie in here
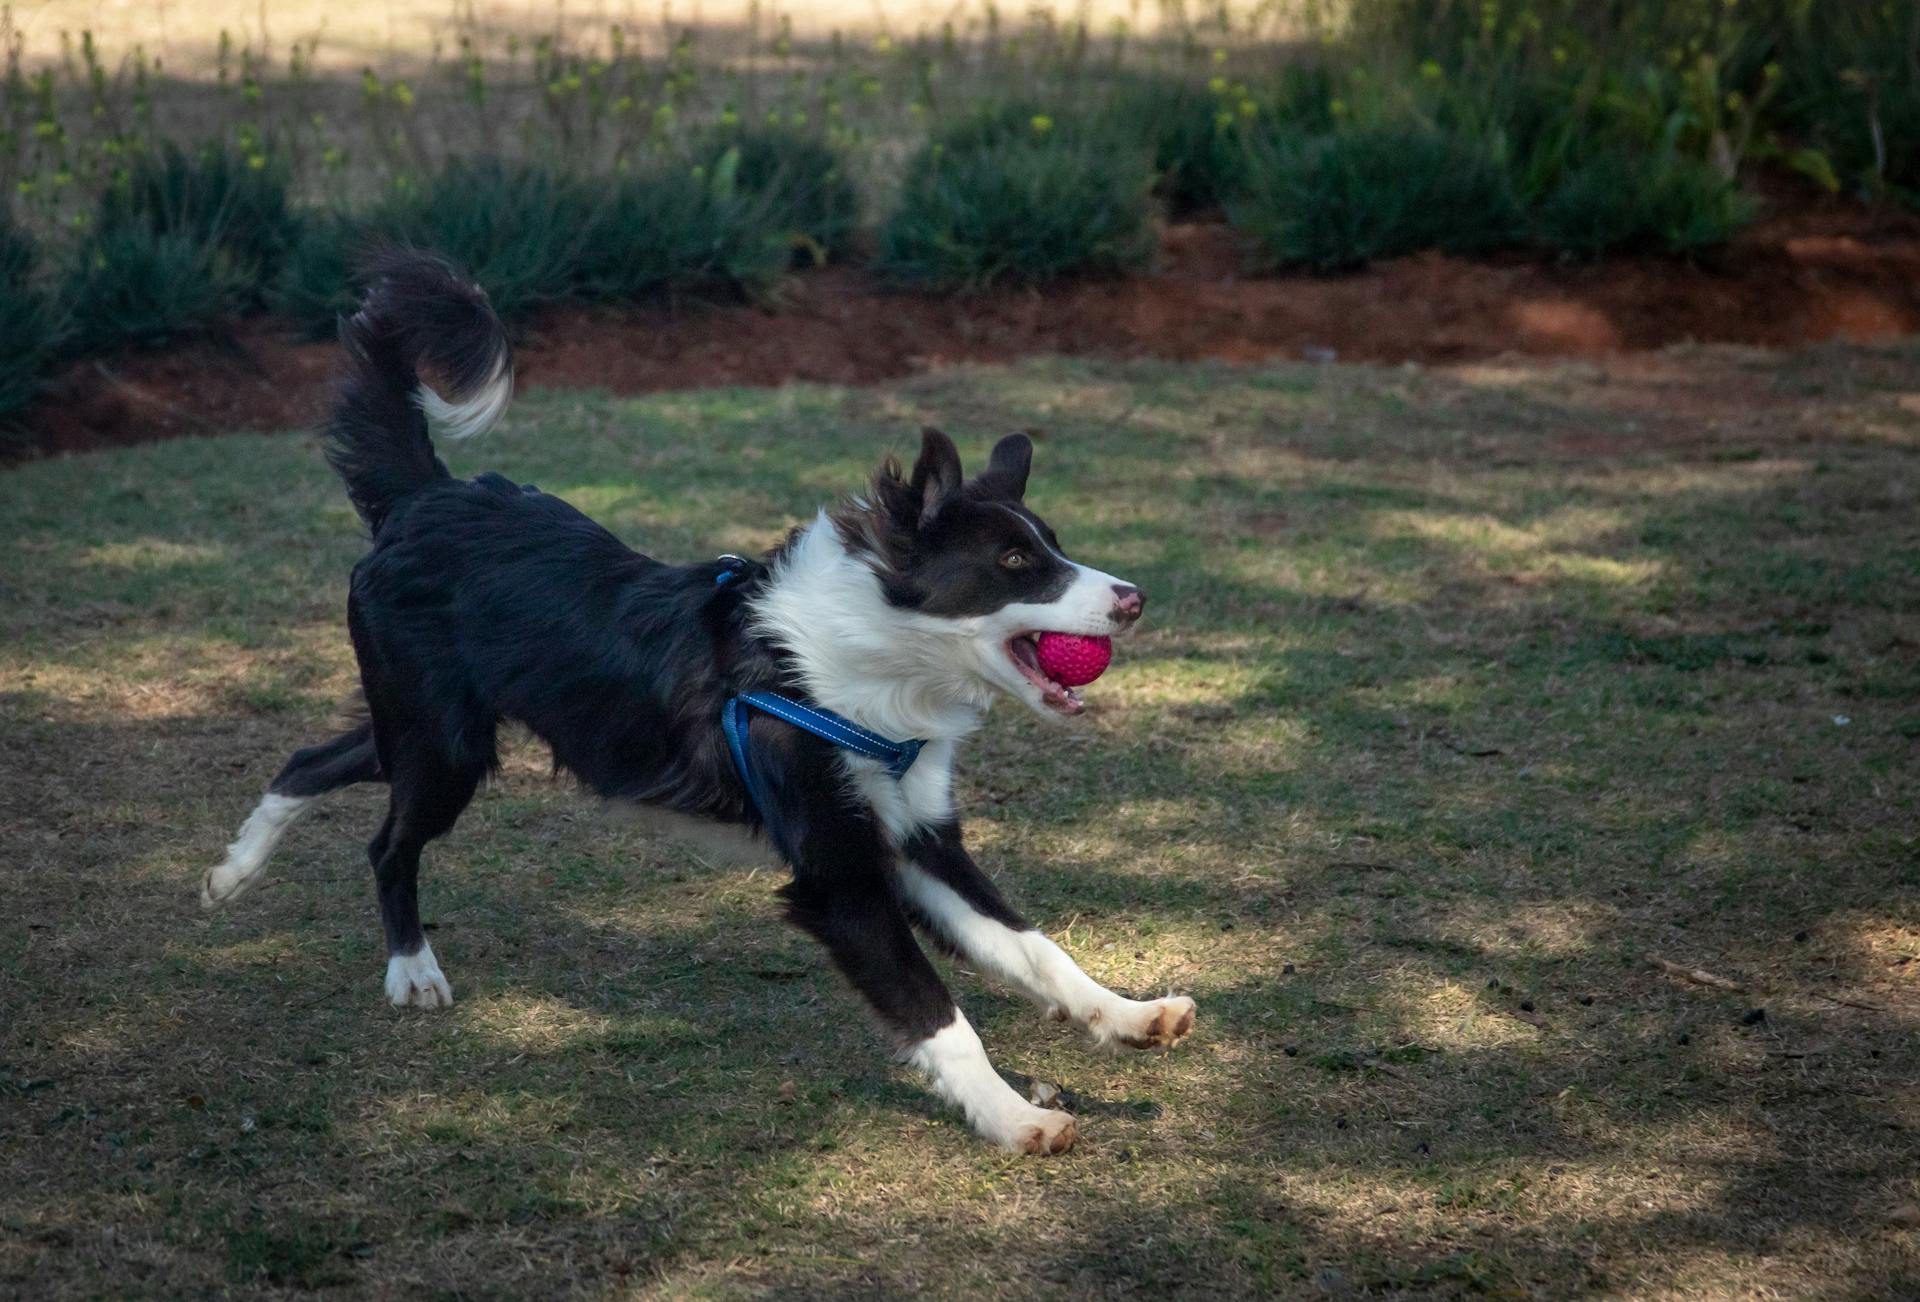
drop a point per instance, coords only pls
(906, 610)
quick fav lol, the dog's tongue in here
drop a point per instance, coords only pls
(1072, 660)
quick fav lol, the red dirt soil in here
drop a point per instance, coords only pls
(1834, 271)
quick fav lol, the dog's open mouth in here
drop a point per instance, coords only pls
(1024, 651)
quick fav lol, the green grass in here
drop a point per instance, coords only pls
(1458, 692)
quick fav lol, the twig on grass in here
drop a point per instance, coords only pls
(337, 990)
(1848, 1003)
(1699, 976)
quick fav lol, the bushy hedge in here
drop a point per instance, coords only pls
(1622, 201)
(1334, 201)
(27, 329)
(224, 200)
(805, 182)
(1002, 206)
(532, 236)
(130, 284)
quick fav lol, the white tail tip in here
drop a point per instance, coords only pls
(476, 415)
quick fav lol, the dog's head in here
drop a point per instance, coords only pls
(973, 564)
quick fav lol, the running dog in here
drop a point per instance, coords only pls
(767, 694)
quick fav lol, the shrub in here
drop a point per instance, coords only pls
(804, 181)
(131, 284)
(531, 236)
(1335, 201)
(1006, 119)
(316, 282)
(217, 197)
(1020, 208)
(1852, 89)
(26, 321)
(522, 231)
(1632, 200)
(685, 227)
(1195, 135)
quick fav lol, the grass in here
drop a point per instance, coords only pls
(1461, 694)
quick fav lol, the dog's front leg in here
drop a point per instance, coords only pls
(842, 896)
(945, 889)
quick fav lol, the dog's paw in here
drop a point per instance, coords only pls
(223, 882)
(247, 856)
(1156, 1024)
(416, 981)
(1042, 1134)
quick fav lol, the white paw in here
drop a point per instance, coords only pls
(1027, 1129)
(247, 856)
(1143, 1024)
(416, 981)
(226, 880)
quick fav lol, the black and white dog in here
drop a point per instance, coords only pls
(904, 610)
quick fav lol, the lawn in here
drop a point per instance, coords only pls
(1462, 697)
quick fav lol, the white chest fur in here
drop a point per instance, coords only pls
(921, 799)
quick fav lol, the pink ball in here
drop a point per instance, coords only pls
(1072, 660)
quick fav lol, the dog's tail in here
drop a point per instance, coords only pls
(418, 310)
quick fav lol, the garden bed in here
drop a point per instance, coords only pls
(1812, 272)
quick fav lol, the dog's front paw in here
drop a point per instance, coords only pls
(1148, 1024)
(416, 981)
(1038, 1131)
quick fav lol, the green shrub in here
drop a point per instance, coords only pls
(804, 181)
(999, 120)
(315, 285)
(1622, 200)
(1020, 208)
(1851, 92)
(133, 285)
(522, 231)
(218, 197)
(26, 321)
(1336, 201)
(680, 227)
(531, 236)
(1195, 134)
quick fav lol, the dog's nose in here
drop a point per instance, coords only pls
(1128, 602)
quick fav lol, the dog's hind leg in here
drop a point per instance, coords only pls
(310, 774)
(949, 895)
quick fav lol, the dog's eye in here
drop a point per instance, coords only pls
(1014, 559)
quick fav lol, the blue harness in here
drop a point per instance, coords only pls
(897, 756)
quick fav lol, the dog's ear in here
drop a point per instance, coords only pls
(936, 475)
(1007, 467)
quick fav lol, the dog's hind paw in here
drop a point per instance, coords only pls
(416, 981)
(247, 856)
(226, 881)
